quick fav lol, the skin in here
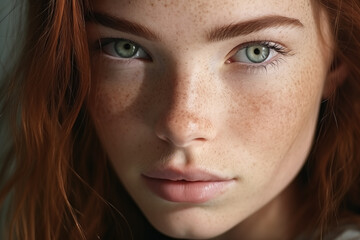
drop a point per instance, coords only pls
(190, 107)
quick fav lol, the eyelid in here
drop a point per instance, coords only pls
(273, 46)
(104, 43)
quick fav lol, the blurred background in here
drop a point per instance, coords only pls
(10, 13)
(11, 32)
(11, 38)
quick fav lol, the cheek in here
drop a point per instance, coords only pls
(117, 90)
(123, 106)
(112, 103)
(117, 94)
(276, 103)
(273, 124)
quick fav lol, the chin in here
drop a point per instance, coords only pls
(197, 232)
(190, 225)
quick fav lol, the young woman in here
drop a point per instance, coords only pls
(197, 119)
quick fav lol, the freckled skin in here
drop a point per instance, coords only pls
(188, 107)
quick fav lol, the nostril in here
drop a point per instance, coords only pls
(184, 130)
(200, 139)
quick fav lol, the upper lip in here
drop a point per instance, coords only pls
(191, 175)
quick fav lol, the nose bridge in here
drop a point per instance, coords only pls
(188, 91)
(187, 117)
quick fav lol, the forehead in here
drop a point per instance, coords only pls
(184, 15)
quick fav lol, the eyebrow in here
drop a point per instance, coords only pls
(251, 26)
(121, 25)
(217, 34)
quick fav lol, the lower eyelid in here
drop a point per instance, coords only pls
(120, 60)
(245, 68)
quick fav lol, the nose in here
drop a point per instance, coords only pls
(188, 118)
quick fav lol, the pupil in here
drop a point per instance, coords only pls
(127, 46)
(257, 51)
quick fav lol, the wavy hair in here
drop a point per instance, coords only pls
(332, 169)
(58, 177)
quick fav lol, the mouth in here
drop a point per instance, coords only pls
(190, 186)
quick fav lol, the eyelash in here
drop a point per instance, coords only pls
(249, 67)
(103, 42)
(253, 67)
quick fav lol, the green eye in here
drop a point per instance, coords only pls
(257, 53)
(125, 48)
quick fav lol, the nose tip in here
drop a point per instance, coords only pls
(184, 129)
(185, 115)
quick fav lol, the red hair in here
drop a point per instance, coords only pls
(60, 184)
(333, 167)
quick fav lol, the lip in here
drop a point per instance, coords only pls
(190, 186)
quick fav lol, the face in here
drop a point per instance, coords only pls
(206, 109)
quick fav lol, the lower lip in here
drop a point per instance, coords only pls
(186, 191)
